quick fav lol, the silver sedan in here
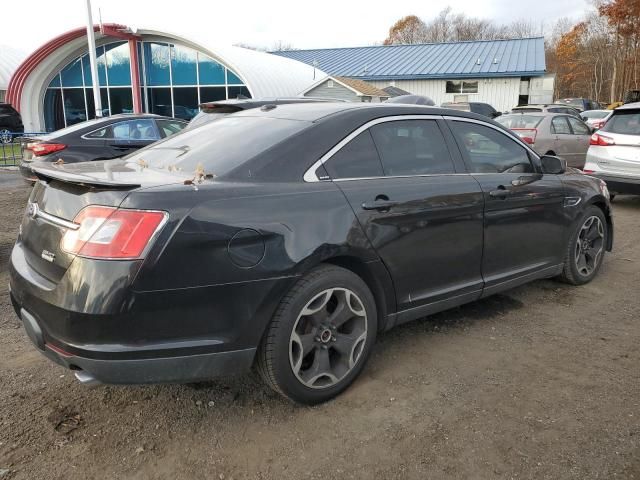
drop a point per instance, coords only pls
(552, 134)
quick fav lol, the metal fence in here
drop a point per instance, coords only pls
(11, 145)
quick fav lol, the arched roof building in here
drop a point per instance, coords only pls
(10, 58)
(143, 71)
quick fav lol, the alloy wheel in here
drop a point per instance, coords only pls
(589, 245)
(328, 338)
(5, 136)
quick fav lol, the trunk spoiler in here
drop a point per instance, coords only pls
(46, 172)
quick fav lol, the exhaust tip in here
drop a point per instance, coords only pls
(86, 378)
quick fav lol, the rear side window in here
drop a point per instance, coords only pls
(412, 147)
(101, 133)
(135, 130)
(489, 151)
(623, 122)
(357, 159)
(560, 126)
(169, 127)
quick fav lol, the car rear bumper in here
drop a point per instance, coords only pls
(622, 185)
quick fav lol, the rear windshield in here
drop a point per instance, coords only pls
(623, 122)
(218, 146)
(572, 101)
(596, 114)
(519, 121)
(527, 109)
(463, 107)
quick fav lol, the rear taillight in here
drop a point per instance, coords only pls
(41, 149)
(111, 233)
(588, 171)
(601, 140)
(527, 135)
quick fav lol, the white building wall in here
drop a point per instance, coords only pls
(501, 93)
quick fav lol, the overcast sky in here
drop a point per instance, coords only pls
(330, 23)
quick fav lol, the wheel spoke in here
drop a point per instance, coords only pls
(581, 263)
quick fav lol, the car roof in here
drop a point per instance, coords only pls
(312, 112)
(246, 103)
(629, 106)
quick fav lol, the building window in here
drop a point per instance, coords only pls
(174, 80)
(330, 84)
(462, 86)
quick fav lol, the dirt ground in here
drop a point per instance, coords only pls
(541, 382)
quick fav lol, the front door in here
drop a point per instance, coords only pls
(524, 227)
(422, 216)
(564, 143)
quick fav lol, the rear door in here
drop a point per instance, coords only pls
(131, 135)
(582, 136)
(563, 141)
(524, 224)
(421, 213)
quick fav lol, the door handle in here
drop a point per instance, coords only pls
(380, 205)
(500, 192)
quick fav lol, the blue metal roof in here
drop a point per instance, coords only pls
(485, 58)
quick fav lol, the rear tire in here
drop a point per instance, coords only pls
(320, 336)
(586, 248)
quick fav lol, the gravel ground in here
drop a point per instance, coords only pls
(541, 382)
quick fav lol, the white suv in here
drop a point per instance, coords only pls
(614, 151)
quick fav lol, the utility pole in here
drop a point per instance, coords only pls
(97, 101)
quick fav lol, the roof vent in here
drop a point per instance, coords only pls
(478, 62)
(495, 61)
(365, 69)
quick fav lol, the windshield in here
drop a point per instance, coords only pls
(596, 113)
(217, 147)
(519, 121)
(623, 122)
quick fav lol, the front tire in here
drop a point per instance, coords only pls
(586, 249)
(320, 337)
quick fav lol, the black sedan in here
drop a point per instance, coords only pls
(287, 238)
(98, 139)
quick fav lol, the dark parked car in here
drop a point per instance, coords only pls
(288, 238)
(99, 139)
(210, 111)
(475, 107)
(581, 104)
(10, 123)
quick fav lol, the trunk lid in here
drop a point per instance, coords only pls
(62, 192)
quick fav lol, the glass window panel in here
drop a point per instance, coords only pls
(454, 86)
(233, 79)
(183, 65)
(156, 58)
(103, 133)
(72, 74)
(74, 106)
(118, 64)
(469, 87)
(559, 125)
(53, 116)
(55, 82)
(211, 72)
(86, 65)
(185, 102)
(104, 98)
(357, 159)
(142, 129)
(169, 127)
(235, 92)
(160, 101)
(212, 94)
(121, 100)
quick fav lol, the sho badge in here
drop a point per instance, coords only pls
(48, 256)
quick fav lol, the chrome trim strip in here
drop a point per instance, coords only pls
(310, 174)
(34, 211)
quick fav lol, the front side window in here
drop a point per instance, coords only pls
(489, 151)
(135, 130)
(560, 126)
(412, 147)
(357, 159)
(462, 86)
(578, 127)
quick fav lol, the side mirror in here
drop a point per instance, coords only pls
(553, 165)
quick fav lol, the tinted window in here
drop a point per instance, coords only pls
(559, 125)
(357, 159)
(578, 127)
(218, 146)
(169, 127)
(624, 122)
(135, 130)
(490, 151)
(412, 147)
(105, 132)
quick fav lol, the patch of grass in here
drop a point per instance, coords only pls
(10, 154)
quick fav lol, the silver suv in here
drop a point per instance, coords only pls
(614, 151)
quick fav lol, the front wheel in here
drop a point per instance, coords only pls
(320, 337)
(586, 248)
